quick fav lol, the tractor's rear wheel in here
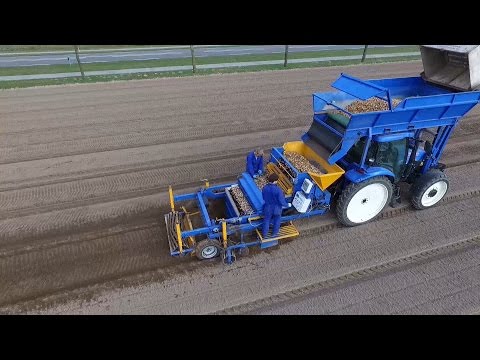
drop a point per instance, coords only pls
(429, 189)
(207, 249)
(362, 202)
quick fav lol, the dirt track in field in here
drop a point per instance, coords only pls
(84, 172)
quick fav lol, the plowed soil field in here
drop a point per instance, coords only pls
(84, 174)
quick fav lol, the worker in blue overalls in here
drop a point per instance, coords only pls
(274, 202)
(255, 163)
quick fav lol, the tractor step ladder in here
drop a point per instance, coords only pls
(286, 231)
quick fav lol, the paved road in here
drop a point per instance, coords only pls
(202, 67)
(142, 55)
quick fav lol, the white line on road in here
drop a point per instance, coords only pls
(242, 53)
(227, 50)
(74, 63)
(127, 55)
(17, 60)
(147, 59)
(85, 57)
(32, 53)
(305, 46)
(247, 53)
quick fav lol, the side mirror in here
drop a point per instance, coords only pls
(428, 148)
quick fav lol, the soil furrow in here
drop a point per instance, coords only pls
(103, 163)
(151, 253)
(137, 140)
(298, 263)
(84, 171)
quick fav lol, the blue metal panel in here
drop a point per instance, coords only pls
(346, 146)
(277, 154)
(403, 120)
(219, 187)
(393, 137)
(251, 191)
(320, 101)
(266, 245)
(184, 252)
(185, 197)
(418, 102)
(430, 113)
(244, 245)
(230, 212)
(196, 232)
(203, 210)
(458, 110)
(356, 177)
(356, 87)
(408, 86)
(193, 196)
(423, 106)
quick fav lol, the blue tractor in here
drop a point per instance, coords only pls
(362, 159)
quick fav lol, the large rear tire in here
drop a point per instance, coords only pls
(363, 202)
(429, 189)
(207, 249)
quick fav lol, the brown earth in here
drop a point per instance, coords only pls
(84, 173)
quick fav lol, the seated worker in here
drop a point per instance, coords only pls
(274, 202)
(255, 163)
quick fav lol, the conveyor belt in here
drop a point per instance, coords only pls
(231, 201)
(236, 203)
(322, 140)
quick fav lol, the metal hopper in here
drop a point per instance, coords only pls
(454, 66)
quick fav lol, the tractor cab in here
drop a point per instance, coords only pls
(387, 151)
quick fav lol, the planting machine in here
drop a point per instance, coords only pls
(362, 159)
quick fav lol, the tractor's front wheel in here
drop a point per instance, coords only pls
(429, 189)
(207, 249)
(362, 202)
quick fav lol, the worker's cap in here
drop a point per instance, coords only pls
(272, 177)
(259, 151)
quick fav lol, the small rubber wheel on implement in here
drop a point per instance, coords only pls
(429, 189)
(243, 251)
(362, 202)
(207, 249)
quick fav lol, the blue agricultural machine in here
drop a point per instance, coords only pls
(363, 157)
